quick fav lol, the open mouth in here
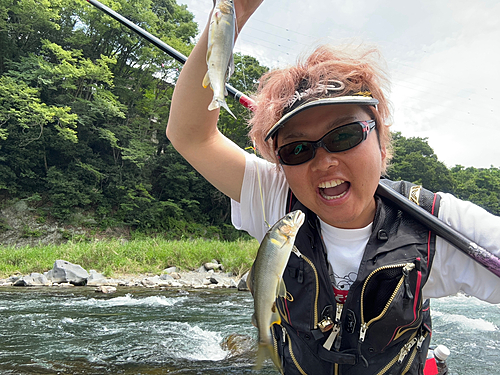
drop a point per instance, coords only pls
(334, 189)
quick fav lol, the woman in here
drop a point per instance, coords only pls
(358, 295)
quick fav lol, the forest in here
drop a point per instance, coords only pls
(84, 105)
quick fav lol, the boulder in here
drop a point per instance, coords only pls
(34, 279)
(242, 284)
(170, 270)
(212, 266)
(96, 278)
(66, 272)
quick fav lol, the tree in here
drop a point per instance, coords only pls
(478, 185)
(414, 160)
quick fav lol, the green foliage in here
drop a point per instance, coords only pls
(478, 185)
(84, 103)
(415, 161)
(142, 255)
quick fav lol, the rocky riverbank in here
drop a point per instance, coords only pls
(66, 274)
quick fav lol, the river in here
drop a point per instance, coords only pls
(143, 331)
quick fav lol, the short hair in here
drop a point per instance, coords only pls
(358, 67)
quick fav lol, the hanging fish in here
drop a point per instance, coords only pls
(266, 283)
(220, 52)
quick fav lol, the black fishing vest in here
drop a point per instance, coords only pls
(384, 327)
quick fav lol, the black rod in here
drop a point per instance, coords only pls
(469, 247)
(238, 95)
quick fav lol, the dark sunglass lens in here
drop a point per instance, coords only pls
(296, 153)
(344, 138)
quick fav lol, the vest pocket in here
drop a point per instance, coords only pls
(302, 285)
(297, 357)
(390, 298)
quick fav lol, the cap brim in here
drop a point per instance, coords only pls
(359, 100)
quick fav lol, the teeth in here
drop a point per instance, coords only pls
(330, 184)
(331, 197)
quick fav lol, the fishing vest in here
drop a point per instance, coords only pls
(384, 326)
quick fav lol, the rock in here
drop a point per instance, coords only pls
(64, 285)
(212, 266)
(14, 278)
(151, 282)
(170, 270)
(202, 269)
(96, 278)
(66, 272)
(242, 284)
(237, 344)
(176, 275)
(166, 277)
(39, 279)
(232, 283)
(34, 279)
(106, 289)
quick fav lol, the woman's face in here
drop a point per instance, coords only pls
(338, 187)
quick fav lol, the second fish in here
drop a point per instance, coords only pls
(220, 52)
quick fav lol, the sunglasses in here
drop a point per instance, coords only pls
(339, 139)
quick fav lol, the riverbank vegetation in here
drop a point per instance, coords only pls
(140, 256)
(84, 103)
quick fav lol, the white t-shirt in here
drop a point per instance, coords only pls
(452, 270)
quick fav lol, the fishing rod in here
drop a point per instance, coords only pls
(238, 95)
(469, 247)
(473, 250)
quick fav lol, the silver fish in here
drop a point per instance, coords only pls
(266, 283)
(220, 52)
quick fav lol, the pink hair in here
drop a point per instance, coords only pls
(357, 68)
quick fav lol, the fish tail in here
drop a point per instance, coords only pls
(217, 103)
(266, 351)
(224, 104)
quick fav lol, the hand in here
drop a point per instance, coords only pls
(244, 9)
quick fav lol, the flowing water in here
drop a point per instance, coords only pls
(142, 331)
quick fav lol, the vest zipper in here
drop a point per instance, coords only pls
(365, 325)
(402, 353)
(275, 348)
(336, 328)
(414, 353)
(290, 349)
(308, 261)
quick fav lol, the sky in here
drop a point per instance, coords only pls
(442, 57)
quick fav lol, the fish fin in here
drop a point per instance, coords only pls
(217, 103)
(214, 105)
(250, 280)
(206, 80)
(217, 15)
(209, 50)
(254, 321)
(236, 26)
(266, 351)
(224, 104)
(230, 68)
(281, 288)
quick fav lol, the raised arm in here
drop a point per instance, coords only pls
(192, 128)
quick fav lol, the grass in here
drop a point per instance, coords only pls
(140, 256)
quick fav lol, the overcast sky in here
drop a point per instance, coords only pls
(443, 58)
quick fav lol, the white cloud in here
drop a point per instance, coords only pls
(442, 58)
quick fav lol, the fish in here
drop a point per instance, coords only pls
(265, 280)
(220, 60)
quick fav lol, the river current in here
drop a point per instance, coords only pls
(143, 331)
